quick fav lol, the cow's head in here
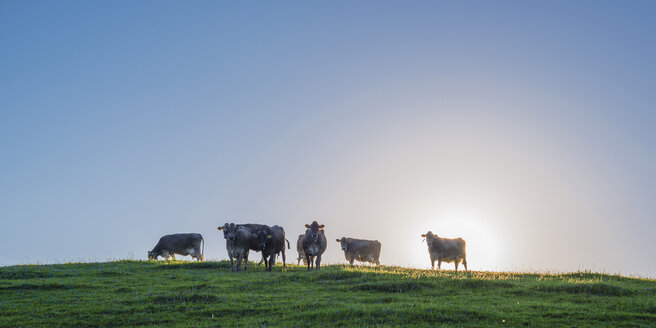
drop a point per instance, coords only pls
(263, 238)
(429, 238)
(344, 242)
(313, 229)
(152, 255)
(229, 231)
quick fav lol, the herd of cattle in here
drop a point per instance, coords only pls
(271, 241)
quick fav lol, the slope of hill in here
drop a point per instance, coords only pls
(135, 293)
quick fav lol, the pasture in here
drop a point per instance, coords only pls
(184, 294)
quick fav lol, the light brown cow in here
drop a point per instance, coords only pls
(314, 244)
(447, 250)
(299, 249)
(360, 250)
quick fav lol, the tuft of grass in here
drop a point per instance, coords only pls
(207, 294)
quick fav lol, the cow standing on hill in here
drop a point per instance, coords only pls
(361, 250)
(179, 243)
(252, 243)
(314, 244)
(447, 250)
(272, 241)
(299, 249)
(239, 241)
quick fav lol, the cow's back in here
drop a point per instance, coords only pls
(179, 241)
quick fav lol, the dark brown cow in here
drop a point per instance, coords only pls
(360, 250)
(272, 241)
(447, 250)
(314, 244)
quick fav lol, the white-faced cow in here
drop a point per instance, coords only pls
(445, 250)
(299, 249)
(239, 240)
(360, 250)
(251, 244)
(272, 241)
(314, 244)
(179, 243)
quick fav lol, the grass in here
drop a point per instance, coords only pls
(183, 294)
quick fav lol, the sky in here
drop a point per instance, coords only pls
(526, 128)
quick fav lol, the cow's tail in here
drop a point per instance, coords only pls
(287, 243)
(202, 250)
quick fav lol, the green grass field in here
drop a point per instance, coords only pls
(183, 294)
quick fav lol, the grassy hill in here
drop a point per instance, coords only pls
(135, 293)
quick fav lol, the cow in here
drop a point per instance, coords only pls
(314, 244)
(361, 250)
(252, 243)
(447, 250)
(299, 249)
(272, 241)
(239, 241)
(179, 243)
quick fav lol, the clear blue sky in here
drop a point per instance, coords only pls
(527, 128)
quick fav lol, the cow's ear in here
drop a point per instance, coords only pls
(307, 226)
(339, 241)
(321, 226)
(220, 228)
(424, 235)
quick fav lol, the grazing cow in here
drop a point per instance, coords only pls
(361, 250)
(272, 242)
(447, 250)
(299, 249)
(179, 243)
(239, 241)
(314, 244)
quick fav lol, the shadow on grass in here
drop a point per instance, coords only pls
(46, 286)
(599, 289)
(223, 265)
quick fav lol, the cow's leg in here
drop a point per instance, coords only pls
(439, 264)
(351, 260)
(464, 262)
(318, 264)
(308, 260)
(432, 264)
(299, 260)
(240, 257)
(284, 265)
(272, 261)
(246, 260)
(456, 262)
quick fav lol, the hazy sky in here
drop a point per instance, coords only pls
(526, 128)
